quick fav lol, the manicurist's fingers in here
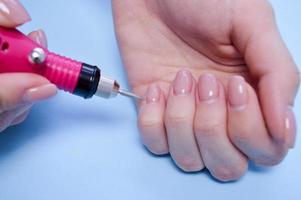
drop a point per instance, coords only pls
(179, 117)
(14, 85)
(12, 13)
(21, 118)
(6, 118)
(220, 156)
(151, 121)
(246, 125)
(39, 36)
(18, 88)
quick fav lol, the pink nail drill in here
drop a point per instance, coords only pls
(18, 53)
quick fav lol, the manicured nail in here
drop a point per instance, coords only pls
(183, 83)
(21, 109)
(153, 94)
(208, 88)
(290, 127)
(11, 11)
(237, 92)
(40, 93)
(39, 36)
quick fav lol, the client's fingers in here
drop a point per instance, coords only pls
(179, 123)
(150, 121)
(246, 125)
(220, 157)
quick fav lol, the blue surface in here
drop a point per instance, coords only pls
(84, 150)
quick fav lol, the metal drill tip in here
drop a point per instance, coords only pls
(130, 94)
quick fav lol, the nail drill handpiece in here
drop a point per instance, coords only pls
(18, 53)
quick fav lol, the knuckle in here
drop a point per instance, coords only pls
(207, 129)
(189, 164)
(229, 173)
(178, 118)
(146, 121)
(293, 75)
(239, 137)
(270, 159)
(296, 77)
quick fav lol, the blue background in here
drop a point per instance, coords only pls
(75, 149)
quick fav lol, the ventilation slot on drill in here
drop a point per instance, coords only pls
(5, 47)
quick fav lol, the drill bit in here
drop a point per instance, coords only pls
(130, 94)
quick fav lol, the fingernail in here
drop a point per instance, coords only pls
(290, 127)
(208, 88)
(183, 83)
(40, 93)
(153, 94)
(39, 36)
(13, 11)
(237, 92)
(23, 108)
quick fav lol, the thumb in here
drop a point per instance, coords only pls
(23, 88)
(258, 39)
(12, 13)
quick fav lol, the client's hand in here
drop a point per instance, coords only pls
(219, 81)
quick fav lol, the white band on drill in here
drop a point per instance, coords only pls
(107, 88)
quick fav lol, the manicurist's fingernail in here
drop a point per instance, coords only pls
(40, 93)
(237, 92)
(153, 94)
(183, 83)
(290, 127)
(208, 88)
(12, 11)
(39, 36)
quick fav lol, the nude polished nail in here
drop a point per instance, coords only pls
(153, 94)
(183, 83)
(40, 37)
(290, 127)
(237, 92)
(39, 93)
(208, 88)
(13, 12)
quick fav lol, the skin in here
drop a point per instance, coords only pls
(19, 91)
(227, 39)
(232, 41)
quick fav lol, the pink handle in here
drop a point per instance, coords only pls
(15, 49)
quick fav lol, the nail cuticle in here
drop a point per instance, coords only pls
(238, 108)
